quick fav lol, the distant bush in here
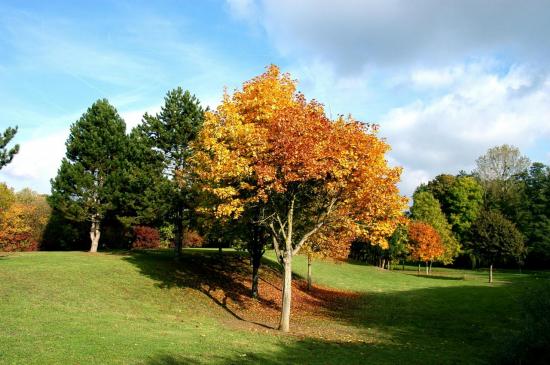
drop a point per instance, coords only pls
(145, 237)
(192, 238)
(167, 236)
(16, 232)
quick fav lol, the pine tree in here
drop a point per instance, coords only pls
(88, 182)
(170, 133)
(7, 155)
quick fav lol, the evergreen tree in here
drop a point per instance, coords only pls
(170, 133)
(88, 182)
(7, 155)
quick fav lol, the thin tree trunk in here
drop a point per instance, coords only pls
(430, 267)
(255, 275)
(94, 236)
(403, 263)
(284, 324)
(491, 273)
(179, 231)
(418, 271)
(427, 272)
(309, 271)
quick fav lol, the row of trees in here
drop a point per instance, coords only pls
(267, 168)
(499, 213)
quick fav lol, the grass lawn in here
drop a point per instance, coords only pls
(144, 308)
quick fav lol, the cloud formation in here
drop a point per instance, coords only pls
(446, 80)
(355, 33)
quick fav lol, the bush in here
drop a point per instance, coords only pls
(145, 237)
(16, 231)
(192, 239)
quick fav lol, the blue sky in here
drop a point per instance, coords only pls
(445, 80)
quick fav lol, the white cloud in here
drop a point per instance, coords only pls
(36, 163)
(481, 110)
(353, 33)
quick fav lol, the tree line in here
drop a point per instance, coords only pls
(497, 214)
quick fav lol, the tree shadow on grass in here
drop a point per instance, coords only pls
(455, 324)
(219, 277)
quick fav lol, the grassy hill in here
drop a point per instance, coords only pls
(144, 308)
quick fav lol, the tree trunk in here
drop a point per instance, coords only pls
(403, 264)
(418, 271)
(430, 267)
(255, 276)
(179, 231)
(427, 272)
(308, 271)
(383, 264)
(256, 255)
(491, 273)
(94, 236)
(389, 264)
(284, 324)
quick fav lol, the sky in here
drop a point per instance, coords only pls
(445, 80)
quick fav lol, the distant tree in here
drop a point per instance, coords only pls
(495, 239)
(6, 156)
(170, 134)
(501, 163)
(426, 208)
(7, 196)
(534, 213)
(460, 197)
(399, 244)
(15, 230)
(498, 170)
(38, 209)
(424, 243)
(88, 181)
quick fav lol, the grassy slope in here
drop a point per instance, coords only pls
(106, 308)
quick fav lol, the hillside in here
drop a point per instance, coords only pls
(144, 308)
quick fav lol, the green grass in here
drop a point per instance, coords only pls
(143, 308)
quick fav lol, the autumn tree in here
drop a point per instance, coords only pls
(170, 133)
(269, 148)
(424, 243)
(6, 155)
(90, 174)
(7, 196)
(426, 208)
(496, 239)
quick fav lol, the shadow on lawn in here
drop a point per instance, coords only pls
(204, 270)
(456, 324)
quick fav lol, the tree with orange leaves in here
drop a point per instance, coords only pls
(267, 149)
(425, 243)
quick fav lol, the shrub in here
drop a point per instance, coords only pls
(16, 231)
(192, 238)
(145, 237)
